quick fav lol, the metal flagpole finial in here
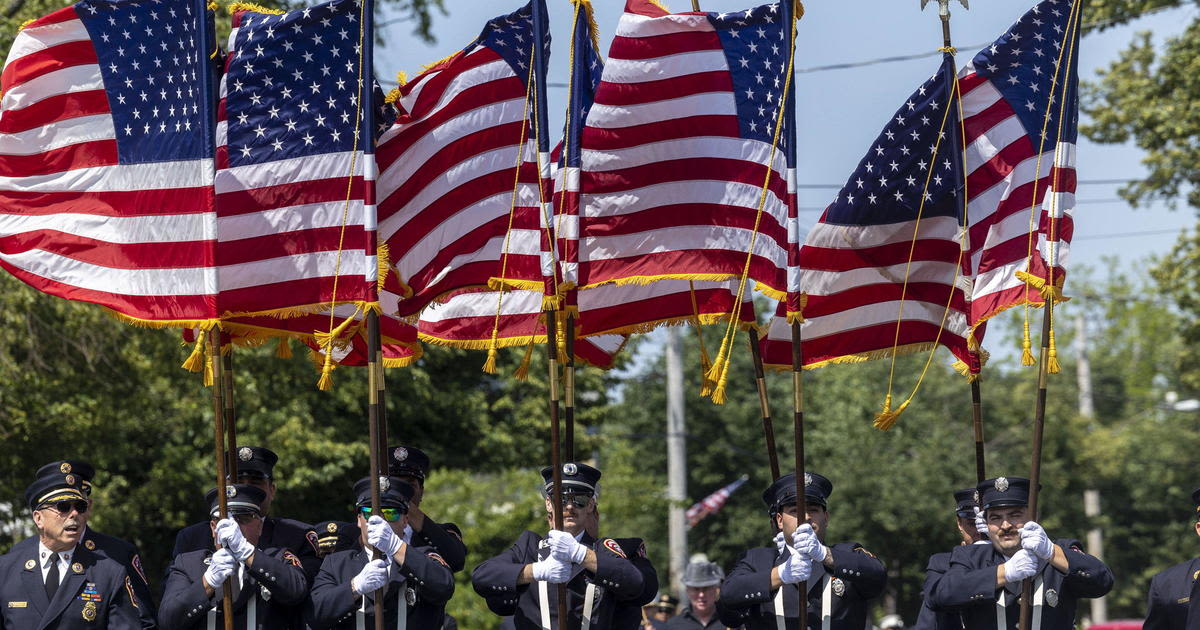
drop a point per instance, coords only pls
(944, 6)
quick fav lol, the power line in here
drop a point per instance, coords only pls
(1082, 182)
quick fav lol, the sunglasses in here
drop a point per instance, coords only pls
(65, 507)
(389, 514)
(578, 500)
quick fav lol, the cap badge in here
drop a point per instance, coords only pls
(89, 611)
(1052, 597)
(64, 468)
(70, 479)
(91, 546)
(807, 480)
(245, 454)
(1001, 484)
(839, 587)
(331, 528)
(570, 469)
(384, 484)
(29, 564)
(77, 568)
(400, 453)
(230, 492)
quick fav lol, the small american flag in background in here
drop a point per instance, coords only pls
(855, 260)
(712, 503)
(105, 175)
(288, 159)
(676, 150)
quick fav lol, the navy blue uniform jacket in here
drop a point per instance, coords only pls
(747, 598)
(276, 577)
(1170, 594)
(101, 582)
(624, 578)
(969, 587)
(445, 539)
(927, 619)
(332, 604)
(125, 554)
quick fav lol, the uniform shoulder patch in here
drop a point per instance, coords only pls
(863, 550)
(291, 558)
(311, 537)
(129, 589)
(136, 563)
(453, 530)
(437, 558)
(612, 546)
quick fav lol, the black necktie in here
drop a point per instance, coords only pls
(52, 577)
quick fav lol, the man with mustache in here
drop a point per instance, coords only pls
(983, 583)
(268, 584)
(51, 581)
(842, 578)
(607, 579)
(972, 530)
(1174, 590)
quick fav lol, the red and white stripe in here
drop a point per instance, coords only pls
(668, 187)
(288, 237)
(446, 187)
(74, 223)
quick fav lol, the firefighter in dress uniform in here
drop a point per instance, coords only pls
(972, 530)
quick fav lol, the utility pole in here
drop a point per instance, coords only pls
(1091, 497)
(676, 460)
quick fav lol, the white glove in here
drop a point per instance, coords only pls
(219, 569)
(1020, 566)
(381, 536)
(1035, 541)
(797, 568)
(808, 544)
(229, 536)
(373, 577)
(980, 522)
(780, 543)
(564, 547)
(552, 570)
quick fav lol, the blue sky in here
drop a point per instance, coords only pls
(841, 111)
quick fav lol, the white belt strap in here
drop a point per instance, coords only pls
(544, 604)
(402, 609)
(212, 618)
(589, 598)
(780, 613)
(1039, 598)
(360, 616)
(826, 603)
(1001, 611)
(252, 612)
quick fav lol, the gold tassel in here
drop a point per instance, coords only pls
(1052, 366)
(718, 392)
(325, 383)
(706, 384)
(284, 348)
(208, 372)
(522, 371)
(886, 418)
(489, 366)
(1027, 347)
(195, 361)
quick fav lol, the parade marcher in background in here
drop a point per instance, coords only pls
(417, 580)
(841, 578)
(983, 582)
(1171, 590)
(269, 583)
(972, 530)
(656, 615)
(703, 582)
(411, 465)
(123, 552)
(256, 467)
(611, 575)
(52, 582)
(335, 536)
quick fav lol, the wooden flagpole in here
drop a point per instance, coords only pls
(764, 407)
(230, 417)
(374, 424)
(214, 354)
(569, 387)
(1035, 469)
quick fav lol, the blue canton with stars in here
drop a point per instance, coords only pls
(511, 36)
(1021, 64)
(889, 183)
(756, 51)
(292, 85)
(587, 71)
(147, 52)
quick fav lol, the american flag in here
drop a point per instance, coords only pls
(105, 174)
(293, 185)
(856, 259)
(712, 503)
(459, 186)
(677, 146)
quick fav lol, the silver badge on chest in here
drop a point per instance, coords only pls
(839, 587)
(266, 595)
(1052, 597)
(410, 596)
